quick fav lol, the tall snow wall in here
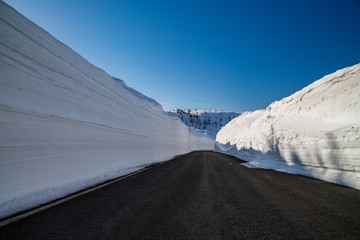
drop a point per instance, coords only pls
(314, 132)
(66, 125)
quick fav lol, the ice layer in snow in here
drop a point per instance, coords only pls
(66, 124)
(314, 132)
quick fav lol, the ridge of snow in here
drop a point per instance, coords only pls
(153, 103)
(66, 125)
(313, 132)
(324, 99)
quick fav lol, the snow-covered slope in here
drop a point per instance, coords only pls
(205, 121)
(66, 125)
(314, 132)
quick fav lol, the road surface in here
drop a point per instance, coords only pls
(201, 195)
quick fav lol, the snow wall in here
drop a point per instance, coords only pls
(314, 132)
(66, 125)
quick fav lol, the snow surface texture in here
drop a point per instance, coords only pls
(208, 122)
(66, 125)
(314, 132)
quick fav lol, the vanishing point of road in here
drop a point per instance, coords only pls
(201, 195)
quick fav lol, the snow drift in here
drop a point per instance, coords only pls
(66, 125)
(314, 132)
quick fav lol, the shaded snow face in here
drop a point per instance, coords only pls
(314, 132)
(66, 124)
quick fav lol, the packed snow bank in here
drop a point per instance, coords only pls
(66, 125)
(314, 132)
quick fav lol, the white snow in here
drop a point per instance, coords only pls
(314, 132)
(66, 125)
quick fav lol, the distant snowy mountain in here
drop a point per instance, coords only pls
(66, 125)
(205, 121)
(314, 132)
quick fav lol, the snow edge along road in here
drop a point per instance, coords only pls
(18, 216)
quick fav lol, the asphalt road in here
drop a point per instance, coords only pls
(201, 195)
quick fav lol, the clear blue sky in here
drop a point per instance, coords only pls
(232, 55)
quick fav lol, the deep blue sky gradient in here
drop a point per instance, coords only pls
(232, 55)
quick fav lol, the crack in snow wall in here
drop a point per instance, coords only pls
(66, 125)
(314, 132)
